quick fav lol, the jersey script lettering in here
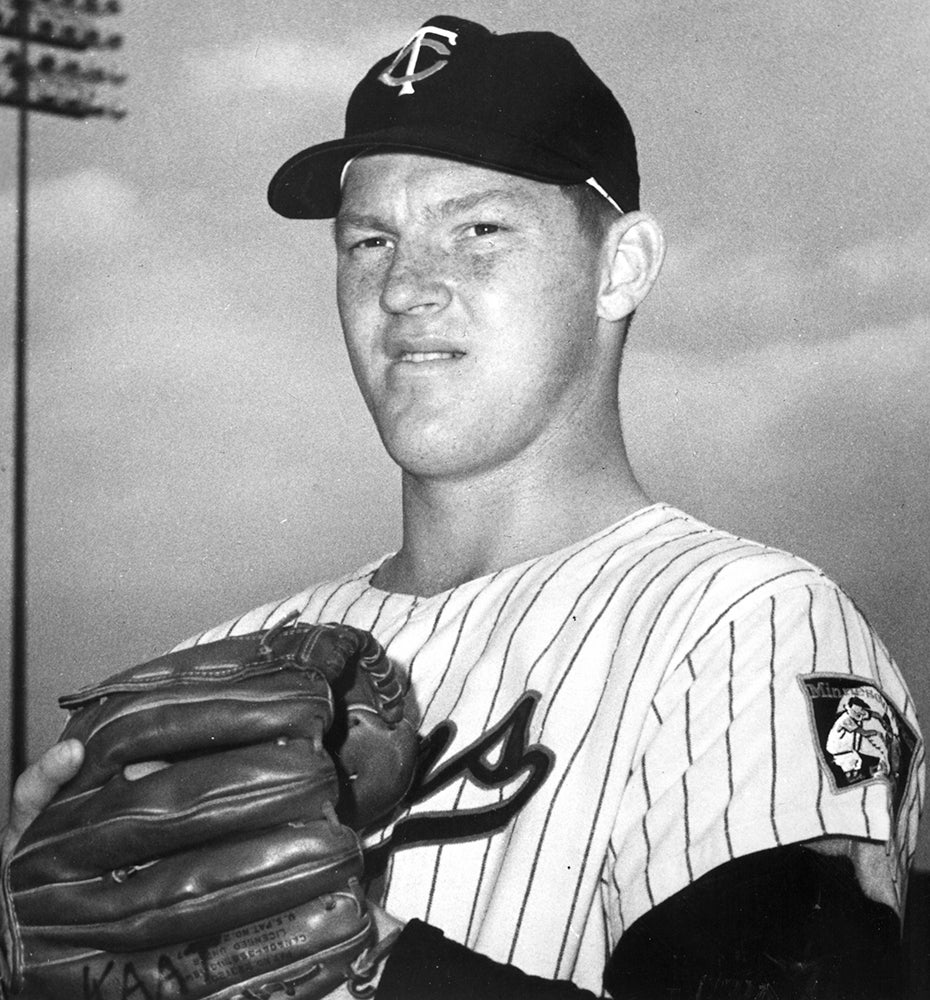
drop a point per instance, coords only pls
(497, 761)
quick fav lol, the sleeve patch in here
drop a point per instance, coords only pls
(860, 736)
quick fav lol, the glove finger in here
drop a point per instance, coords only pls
(211, 889)
(191, 802)
(304, 952)
(124, 729)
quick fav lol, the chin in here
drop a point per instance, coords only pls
(431, 457)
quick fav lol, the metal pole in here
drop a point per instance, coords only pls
(18, 706)
(68, 90)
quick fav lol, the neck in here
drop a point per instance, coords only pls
(455, 530)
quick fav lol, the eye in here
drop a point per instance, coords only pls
(484, 228)
(370, 243)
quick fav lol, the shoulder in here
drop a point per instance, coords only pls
(309, 605)
(738, 608)
(687, 579)
(727, 570)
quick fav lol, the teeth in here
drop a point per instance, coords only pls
(417, 356)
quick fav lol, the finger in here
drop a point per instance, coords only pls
(133, 772)
(37, 786)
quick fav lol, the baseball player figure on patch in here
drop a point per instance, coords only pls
(859, 733)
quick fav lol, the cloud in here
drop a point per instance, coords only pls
(291, 65)
(786, 397)
(727, 293)
(78, 211)
(890, 261)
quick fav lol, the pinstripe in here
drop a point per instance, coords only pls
(321, 615)
(645, 643)
(346, 583)
(731, 558)
(359, 597)
(611, 557)
(466, 672)
(533, 600)
(744, 596)
(309, 599)
(272, 614)
(232, 626)
(684, 782)
(810, 625)
(629, 612)
(646, 840)
(608, 601)
(490, 712)
(772, 721)
(698, 602)
(452, 654)
(574, 756)
(839, 604)
(482, 871)
(609, 880)
(536, 597)
(729, 746)
(873, 662)
(580, 742)
(458, 637)
(399, 626)
(566, 618)
(590, 840)
(814, 667)
(436, 620)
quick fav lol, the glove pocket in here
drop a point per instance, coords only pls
(375, 763)
(196, 801)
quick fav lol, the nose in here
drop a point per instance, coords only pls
(414, 283)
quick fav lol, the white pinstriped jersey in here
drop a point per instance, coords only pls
(610, 721)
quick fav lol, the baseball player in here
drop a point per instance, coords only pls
(628, 782)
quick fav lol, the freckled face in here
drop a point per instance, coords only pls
(467, 299)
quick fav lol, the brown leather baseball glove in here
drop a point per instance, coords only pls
(234, 872)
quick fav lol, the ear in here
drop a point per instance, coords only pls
(634, 249)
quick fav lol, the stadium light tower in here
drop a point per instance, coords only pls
(50, 65)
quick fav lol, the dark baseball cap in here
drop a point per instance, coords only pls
(525, 103)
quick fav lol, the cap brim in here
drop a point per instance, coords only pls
(307, 186)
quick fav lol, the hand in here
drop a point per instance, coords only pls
(36, 787)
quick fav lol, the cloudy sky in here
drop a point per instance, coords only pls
(196, 442)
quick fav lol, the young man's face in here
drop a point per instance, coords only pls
(468, 299)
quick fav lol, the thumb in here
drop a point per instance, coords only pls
(37, 785)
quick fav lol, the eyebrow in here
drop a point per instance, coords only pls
(447, 207)
(467, 202)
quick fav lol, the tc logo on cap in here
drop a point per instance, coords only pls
(412, 49)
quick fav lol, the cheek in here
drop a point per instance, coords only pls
(358, 302)
(357, 289)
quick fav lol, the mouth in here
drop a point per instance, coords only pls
(421, 357)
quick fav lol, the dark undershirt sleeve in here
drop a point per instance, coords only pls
(783, 924)
(425, 965)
